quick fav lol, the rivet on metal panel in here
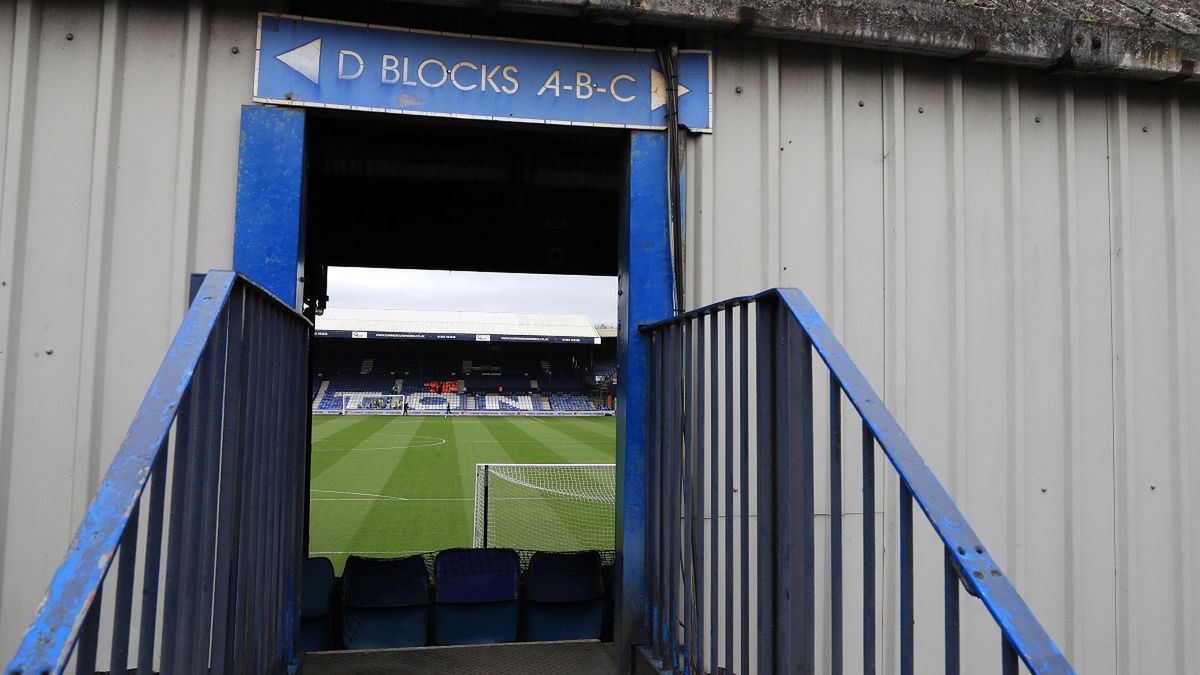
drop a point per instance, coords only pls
(1043, 489)
(1145, 129)
(921, 111)
(70, 36)
(1152, 485)
(738, 89)
(977, 574)
(50, 350)
(861, 103)
(979, 550)
(1037, 120)
(961, 550)
(234, 50)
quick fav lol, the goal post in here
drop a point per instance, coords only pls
(545, 507)
(373, 404)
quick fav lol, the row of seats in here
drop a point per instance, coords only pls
(570, 402)
(478, 596)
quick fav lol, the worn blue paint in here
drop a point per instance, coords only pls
(268, 242)
(980, 572)
(311, 62)
(645, 295)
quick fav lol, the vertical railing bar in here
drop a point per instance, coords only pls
(231, 451)
(714, 491)
(906, 581)
(835, 523)
(951, 615)
(201, 629)
(729, 482)
(259, 468)
(689, 494)
(180, 480)
(767, 583)
(868, 499)
(85, 651)
(298, 486)
(654, 491)
(123, 607)
(271, 494)
(674, 563)
(243, 576)
(150, 569)
(190, 521)
(698, 484)
(1008, 657)
(744, 376)
(794, 500)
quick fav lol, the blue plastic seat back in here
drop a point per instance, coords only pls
(564, 597)
(477, 575)
(385, 602)
(316, 604)
(476, 594)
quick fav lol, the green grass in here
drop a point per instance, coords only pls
(385, 486)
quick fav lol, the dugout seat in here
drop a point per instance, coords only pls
(476, 596)
(564, 597)
(385, 603)
(316, 605)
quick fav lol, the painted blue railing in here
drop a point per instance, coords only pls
(232, 387)
(700, 394)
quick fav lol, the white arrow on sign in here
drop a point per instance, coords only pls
(658, 89)
(305, 59)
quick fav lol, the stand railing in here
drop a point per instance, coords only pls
(731, 541)
(229, 519)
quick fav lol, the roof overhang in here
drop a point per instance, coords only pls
(961, 31)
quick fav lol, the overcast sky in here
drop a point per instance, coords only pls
(364, 287)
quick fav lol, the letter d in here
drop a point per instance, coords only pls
(342, 74)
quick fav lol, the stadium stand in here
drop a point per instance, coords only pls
(570, 403)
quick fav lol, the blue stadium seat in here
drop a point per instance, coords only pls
(476, 596)
(564, 597)
(316, 605)
(385, 603)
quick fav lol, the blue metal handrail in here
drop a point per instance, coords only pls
(226, 386)
(787, 329)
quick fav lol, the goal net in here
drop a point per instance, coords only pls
(373, 404)
(545, 507)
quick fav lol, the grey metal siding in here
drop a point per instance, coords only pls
(119, 150)
(1008, 257)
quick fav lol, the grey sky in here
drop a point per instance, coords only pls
(365, 287)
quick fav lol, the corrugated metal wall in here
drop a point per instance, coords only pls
(1006, 255)
(1009, 258)
(119, 148)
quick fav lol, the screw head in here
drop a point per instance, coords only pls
(738, 89)
(70, 36)
(234, 50)
(49, 351)
(921, 111)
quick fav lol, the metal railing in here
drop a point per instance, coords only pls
(228, 520)
(703, 532)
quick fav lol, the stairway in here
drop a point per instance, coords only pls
(316, 402)
(367, 366)
(579, 657)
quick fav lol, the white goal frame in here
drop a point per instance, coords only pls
(483, 484)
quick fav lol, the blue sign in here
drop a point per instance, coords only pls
(311, 62)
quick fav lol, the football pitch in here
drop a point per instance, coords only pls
(385, 486)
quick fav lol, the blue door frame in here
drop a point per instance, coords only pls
(269, 248)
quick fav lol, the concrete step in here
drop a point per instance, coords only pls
(578, 657)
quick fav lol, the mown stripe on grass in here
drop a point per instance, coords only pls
(333, 448)
(598, 440)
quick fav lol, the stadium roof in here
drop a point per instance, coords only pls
(438, 325)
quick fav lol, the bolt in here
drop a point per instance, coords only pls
(861, 104)
(979, 550)
(1043, 489)
(1037, 120)
(738, 89)
(995, 573)
(921, 111)
(1145, 129)
(234, 50)
(70, 36)
(49, 351)
(1153, 486)
(961, 550)
(977, 574)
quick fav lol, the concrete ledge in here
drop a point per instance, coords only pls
(950, 30)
